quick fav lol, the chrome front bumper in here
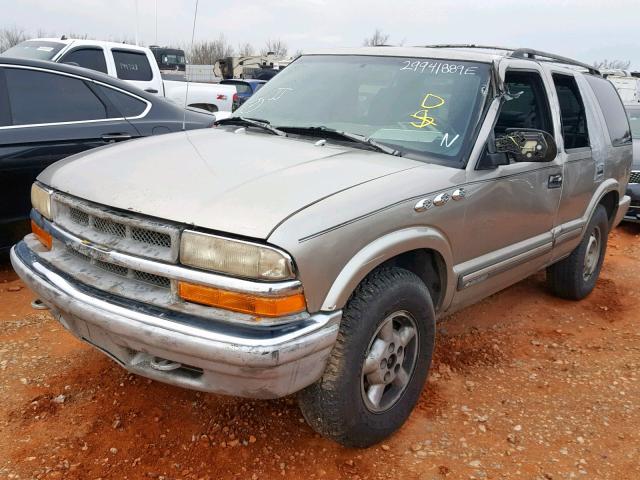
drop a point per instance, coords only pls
(255, 362)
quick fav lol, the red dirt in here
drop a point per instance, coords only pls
(523, 385)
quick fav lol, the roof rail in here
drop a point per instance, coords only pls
(468, 45)
(524, 53)
(550, 57)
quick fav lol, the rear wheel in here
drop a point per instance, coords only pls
(379, 364)
(575, 277)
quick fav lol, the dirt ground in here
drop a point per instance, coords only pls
(523, 385)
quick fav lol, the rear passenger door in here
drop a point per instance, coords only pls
(136, 67)
(591, 142)
(51, 115)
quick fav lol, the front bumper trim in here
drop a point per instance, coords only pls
(263, 365)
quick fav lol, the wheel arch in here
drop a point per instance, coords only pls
(424, 251)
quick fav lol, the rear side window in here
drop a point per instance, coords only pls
(612, 109)
(132, 65)
(39, 97)
(127, 105)
(572, 112)
(92, 58)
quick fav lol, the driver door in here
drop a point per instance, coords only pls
(510, 207)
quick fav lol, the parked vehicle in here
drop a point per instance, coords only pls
(633, 215)
(251, 66)
(244, 88)
(53, 111)
(309, 243)
(627, 83)
(130, 63)
(169, 58)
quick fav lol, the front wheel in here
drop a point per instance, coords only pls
(575, 277)
(379, 364)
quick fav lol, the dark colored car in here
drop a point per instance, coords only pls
(49, 111)
(245, 88)
(633, 190)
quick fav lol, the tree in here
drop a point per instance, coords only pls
(10, 37)
(245, 49)
(209, 52)
(277, 46)
(378, 38)
(612, 64)
(297, 53)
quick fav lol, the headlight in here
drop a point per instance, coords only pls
(41, 200)
(234, 257)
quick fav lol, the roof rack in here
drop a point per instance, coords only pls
(526, 53)
(550, 57)
(469, 45)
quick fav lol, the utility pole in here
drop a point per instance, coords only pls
(136, 2)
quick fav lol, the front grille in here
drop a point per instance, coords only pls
(109, 227)
(118, 230)
(149, 278)
(635, 177)
(150, 237)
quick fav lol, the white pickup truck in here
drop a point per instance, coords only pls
(131, 63)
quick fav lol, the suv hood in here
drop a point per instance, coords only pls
(240, 183)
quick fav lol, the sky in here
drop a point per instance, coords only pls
(587, 30)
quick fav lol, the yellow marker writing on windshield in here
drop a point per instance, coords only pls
(429, 102)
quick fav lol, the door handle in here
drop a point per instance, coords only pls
(555, 181)
(151, 90)
(115, 137)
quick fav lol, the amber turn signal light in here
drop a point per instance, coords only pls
(43, 236)
(242, 302)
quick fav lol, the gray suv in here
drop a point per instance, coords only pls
(310, 243)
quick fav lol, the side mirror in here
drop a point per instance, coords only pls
(527, 145)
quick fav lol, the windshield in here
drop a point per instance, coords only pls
(634, 120)
(36, 49)
(417, 106)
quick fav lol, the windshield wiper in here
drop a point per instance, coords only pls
(253, 122)
(361, 139)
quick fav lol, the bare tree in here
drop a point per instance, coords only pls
(297, 53)
(245, 49)
(10, 37)
(378, 38)
(612, 64)
(277, 46)
(209, 52)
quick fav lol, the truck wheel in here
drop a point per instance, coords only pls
(575, 277)
(379, 363)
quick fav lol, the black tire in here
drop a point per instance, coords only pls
(336, 405)
(568, 278)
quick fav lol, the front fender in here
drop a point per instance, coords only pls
(383, 249)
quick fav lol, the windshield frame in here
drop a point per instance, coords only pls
(478, 111)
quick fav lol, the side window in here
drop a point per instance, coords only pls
(612, 109)
(92, 58)
(127, 105)
(528, 106)
(38, 97)
(572, 112)
(132, 65)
